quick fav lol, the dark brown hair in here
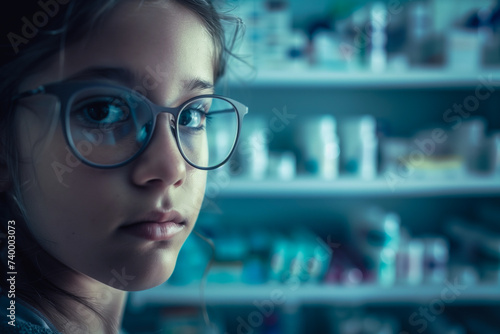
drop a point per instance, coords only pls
(21, 54)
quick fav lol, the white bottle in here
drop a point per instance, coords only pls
(360, 146)
(253, 149)
(378, 52)
(320, 146)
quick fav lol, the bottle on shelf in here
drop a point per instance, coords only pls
(359, 146)
(318, 142)
(376, 234)
(253, 149)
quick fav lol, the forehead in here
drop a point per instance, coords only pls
(165, 25)
(159, 36)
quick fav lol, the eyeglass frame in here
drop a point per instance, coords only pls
(65, 91)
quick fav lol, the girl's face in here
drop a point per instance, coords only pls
(82, 215)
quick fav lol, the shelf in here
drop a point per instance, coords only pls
(414, 78)
(306, 294)
(304, 187)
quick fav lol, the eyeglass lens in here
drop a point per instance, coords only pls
(109, 126)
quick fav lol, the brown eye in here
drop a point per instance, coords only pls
(102, 111)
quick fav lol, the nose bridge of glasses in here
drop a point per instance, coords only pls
(157, 109)
(165, 125)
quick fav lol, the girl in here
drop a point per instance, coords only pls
(108, 127)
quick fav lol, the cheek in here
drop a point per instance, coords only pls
(195, 184)
(64, 199)
(41, 146)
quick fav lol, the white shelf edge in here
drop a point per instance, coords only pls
(397, 79)
(309, 187)
(308, 294)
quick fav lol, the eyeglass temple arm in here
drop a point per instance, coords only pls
(28, 93)
(225, 111)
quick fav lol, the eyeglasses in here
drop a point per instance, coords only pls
(107, 126)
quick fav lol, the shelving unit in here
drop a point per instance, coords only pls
(307, 294)
(352, 187)
(413, 78)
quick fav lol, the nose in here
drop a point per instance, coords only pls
(161, 164)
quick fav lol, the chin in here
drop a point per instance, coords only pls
(144, 285)
(146, 277)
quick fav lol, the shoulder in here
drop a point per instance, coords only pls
(23, 318)
(23, 327)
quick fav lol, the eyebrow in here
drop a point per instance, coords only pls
(126, 77)
(197, 83)
(119, 74)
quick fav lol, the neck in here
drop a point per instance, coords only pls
(106, 312)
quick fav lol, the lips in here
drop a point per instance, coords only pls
(156, 226)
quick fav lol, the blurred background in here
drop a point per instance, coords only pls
(364, 195)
